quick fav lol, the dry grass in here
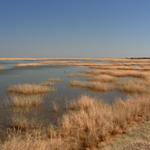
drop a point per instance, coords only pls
(103, 78)
(56, 63)
(124, 67)
(29, 89)
(20, 122)
(69, 62)
(95, 86)
(94, 122)
(118, 73)
(90, 77)
(113, 66)
(88, 124)
(29, 142)
(48, 63)
(21, 101)
(134, 86)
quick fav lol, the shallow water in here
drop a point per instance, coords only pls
(63, 94)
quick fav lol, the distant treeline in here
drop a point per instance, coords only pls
(138, 57)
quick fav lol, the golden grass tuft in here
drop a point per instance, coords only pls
(22, 101)
(103, 78)
(113, 66)
(95, 86)
(134, 86)
(90, 77)
(83, 103)
(118, 73)
(29, 89)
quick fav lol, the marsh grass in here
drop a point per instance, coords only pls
(87, 125)
(90, 77)
(125, 61)
(24, 97)
(32, 141)
(62, 63)
(123, 67)
(103, 78)
(113, 66)
(118, 73)
(94, 121)
(22, 123)
(95, 86)
(135, 86)
(44, 63)
(29, 89)
(23, 101)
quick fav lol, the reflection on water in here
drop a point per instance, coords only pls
(63, 94)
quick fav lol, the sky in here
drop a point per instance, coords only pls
(74, 28)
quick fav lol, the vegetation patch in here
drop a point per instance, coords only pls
(118, 73)
(87, 125)
(29, 89)
(23, 101)
(134, 86)
(95, 86)
(103, 78)
(20, 122)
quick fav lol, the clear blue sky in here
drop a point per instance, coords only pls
(74, 28)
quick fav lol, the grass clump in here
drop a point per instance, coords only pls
(103, 78)
(118, 73)
(29, 89)
(21, 101)
(95, 86)
(134, 86)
